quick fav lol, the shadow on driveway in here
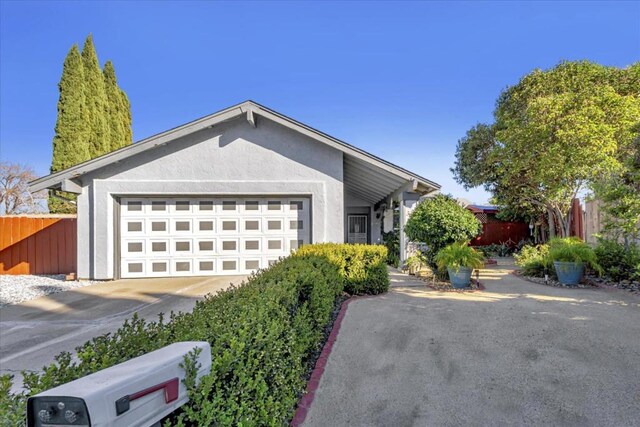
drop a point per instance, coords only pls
(33, 332)
(517, 353)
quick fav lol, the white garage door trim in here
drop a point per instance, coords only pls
(205, 236)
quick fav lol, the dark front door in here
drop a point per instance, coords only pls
(357, 230)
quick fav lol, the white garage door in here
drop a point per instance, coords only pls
(208, 236)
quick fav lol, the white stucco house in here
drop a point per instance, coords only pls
(227, 194)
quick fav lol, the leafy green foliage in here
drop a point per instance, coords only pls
(392, 242)
(533, 260)
(94, 116)
(416, 261)
(457, 255)
(617, 261)
(362, 266)
(117, 110)
(501, 249)
(263, 335)
(473, 166)
(572, 249)
(71, 131)
(556, 132)
(13, 407)
(620, 195)
(97, 104)
(440, 221)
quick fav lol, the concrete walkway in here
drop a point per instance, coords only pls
(517, 353)
(33, 332)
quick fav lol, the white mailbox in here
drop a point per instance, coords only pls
(138, 392)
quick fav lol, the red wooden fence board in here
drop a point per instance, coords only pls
(501, 232)
(37, 245)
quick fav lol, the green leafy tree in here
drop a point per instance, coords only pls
(97, 101)
(556, 133)
(94, 116)
(620, 196)
(477, 165)
(119, 110)
(440, 221)
(71, 132)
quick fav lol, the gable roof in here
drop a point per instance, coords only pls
(250, 109)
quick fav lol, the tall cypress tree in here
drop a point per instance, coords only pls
(97, 103)
(70, 141)
(94, 115)
(116, 108)
(125, 115)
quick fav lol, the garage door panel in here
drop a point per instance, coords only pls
(229, 265)
(184, 236)
(158, 267)
(133, 268)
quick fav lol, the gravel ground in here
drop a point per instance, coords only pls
(20, 288)
(555, 283)
(589, 282)
(632, 286)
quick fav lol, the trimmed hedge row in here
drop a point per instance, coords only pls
(363, 266)
(263, 335)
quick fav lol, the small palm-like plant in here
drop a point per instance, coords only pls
(572, 249)
(458, 255)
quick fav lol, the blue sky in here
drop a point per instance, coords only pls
(401, 80)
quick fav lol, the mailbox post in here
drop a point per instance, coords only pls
(139, 392)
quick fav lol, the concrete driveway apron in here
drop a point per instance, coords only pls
(33, 332)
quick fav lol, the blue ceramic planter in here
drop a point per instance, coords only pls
(461, 278)
(569, 273)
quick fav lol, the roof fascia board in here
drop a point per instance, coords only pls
(138, 147)
(249, 108)
(338, 145)
(342, 146)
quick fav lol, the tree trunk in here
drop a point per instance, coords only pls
(568, 222)
(552, 223)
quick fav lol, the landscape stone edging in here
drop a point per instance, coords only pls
(479, 287)
(304, 404)
(592, 284)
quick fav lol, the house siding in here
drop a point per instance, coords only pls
(232, 158)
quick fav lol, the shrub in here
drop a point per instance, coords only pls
(263, 336)
(458, 255)
(501, 250)
(416, 262)
(363, 267)
(618, 262)
(440, 221)
(392, 242)
(572, 249)
(532, 260)
(13, 407)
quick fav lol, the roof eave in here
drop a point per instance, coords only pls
(248, 107)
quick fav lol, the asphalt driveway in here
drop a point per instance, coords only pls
(517, 353)
(33, 332)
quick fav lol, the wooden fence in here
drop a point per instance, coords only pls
(38, 244)
(501, 232)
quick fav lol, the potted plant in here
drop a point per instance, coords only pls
(570, 256)
(459, 259)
